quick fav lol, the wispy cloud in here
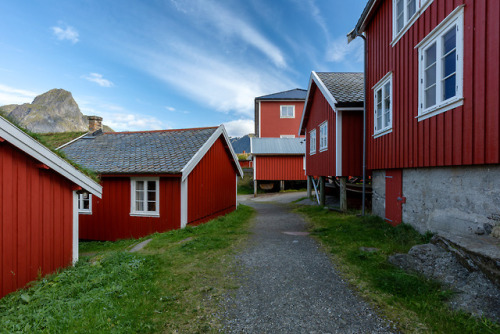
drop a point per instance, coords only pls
(68, 33)
(239, 128)
(339, 51)
(98, 79)
(10, 95)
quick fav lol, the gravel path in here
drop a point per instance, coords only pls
(288, 285)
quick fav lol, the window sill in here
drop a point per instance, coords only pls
(312, 153)
(138, 214)
(287, 116)
(84, 212)
(323, 149)
(410, 23)
(382, 133)
(441, 108)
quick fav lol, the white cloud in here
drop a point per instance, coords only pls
(132, 122)
(69, 33)
(339, 51)
(10, 95)
(239, 128)
(170, 108)
(98, 79)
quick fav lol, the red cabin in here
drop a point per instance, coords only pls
(278, 115)
(38, 209)
(155, 181)
(433, 114)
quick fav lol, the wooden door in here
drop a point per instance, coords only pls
(394, 196)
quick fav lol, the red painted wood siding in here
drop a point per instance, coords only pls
(272, 125)
(321, 163)
(111, 220)
(212, 185)
(245, 163)
(466, 135)
(352, 143)
(36, 220)
(286, 168)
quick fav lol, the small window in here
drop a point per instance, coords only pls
(145, 197)
(287, 112)
(312, 142)
(85, 203)
(404, 13)
(441, 68)
(287, 136)
(323, 136)
(383, 105)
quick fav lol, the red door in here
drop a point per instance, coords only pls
(394, 196)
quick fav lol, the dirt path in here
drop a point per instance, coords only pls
(289, 285)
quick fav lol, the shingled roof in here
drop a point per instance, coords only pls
(293, 94)
(156, 152)
(345, 87)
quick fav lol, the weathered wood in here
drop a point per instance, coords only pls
(282, 185)
(322, 194)
(255, 185)
(309, 186)
(343, 194)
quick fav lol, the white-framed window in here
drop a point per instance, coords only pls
(323, 136)
(312, 141)
(145, 196)
(287, 111)
(404, 14)
(441, 67)
(85, 203)
(382, 101)
(287, 136)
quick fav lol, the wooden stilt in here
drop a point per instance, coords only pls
(255, 185)
(343, 194)
(309, 186)
(322, 199)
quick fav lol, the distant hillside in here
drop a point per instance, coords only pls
(53, 111)
(241, 144)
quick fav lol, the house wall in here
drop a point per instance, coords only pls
(466, 135)
(280, 168)
(352, 143)
(212, 185)
(321, 163)
(111, 219)
(36, 219)
(271, 125)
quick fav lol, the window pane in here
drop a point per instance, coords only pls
(387, 119)
(412, 8)
(139, 185)
(151, 206)
(86, 204)
(379, 122)
(449, 87)
(151, 196)
(151, 185)
(430, 97)
(430, 76)
(139, 195)
(139, 206)
(449, 40)
(449, 64)
(430, 55)
(400, 17)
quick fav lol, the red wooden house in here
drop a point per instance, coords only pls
(38, 209)
(278, 115)
(156, 181)
(433, 114)
(278, 159)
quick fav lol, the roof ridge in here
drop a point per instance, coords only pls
(157, 131)
(343, 72)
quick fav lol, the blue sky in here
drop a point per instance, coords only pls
(145, 65)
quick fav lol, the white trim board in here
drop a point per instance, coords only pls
(184, 202)
(30, 146)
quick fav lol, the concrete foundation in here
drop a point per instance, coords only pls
(457, 200)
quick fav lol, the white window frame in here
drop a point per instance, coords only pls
(81, 200)
(287, 136)
(323, 136)
(455, 19)
(282, 107)
(144, 213)
(421, 6)
(312, 142)
(387, 79)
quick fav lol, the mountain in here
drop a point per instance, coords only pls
(241, 144)
(53, 111)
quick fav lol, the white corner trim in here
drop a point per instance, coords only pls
(236, 191)
(75, 232)
(184, 202)
(195, 159)
(71, 141)
(260, 121)
(338, 144)
(251, 145)
(254, 166)
(41, 153)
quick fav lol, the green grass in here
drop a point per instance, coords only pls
(414, 302)
(172, 285)
(245, 185)
(54, 140)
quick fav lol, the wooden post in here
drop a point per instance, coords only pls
(309, 186)
(343, 194)
(282, 185)
(255, 185)
(322, 198)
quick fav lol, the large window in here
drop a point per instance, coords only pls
(85, 203)
(287, 111)
(383, 105)
(323, 136)
(312, 141)
(441, 67)
(404, 14)
(145, 197)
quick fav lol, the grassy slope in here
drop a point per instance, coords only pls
(172, 285)
(54, 140)
(415, 303)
